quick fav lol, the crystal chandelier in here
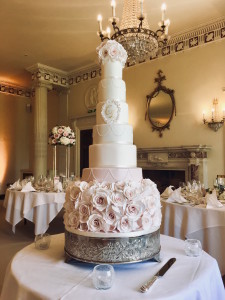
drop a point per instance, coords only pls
(134, 34)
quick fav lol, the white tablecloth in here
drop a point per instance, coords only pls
(38, 207)
(42, 274)
(206, 225)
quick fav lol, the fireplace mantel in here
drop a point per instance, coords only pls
(192, 159)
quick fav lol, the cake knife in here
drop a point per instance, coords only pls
(145, 287)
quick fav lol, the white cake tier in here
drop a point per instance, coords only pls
(122, 113)
(112, 174)
(111, 69)
(112, 155)
(113, 133)
(112, 89)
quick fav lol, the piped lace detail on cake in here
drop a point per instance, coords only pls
(112, 175)
(116, 129)
(111, 111)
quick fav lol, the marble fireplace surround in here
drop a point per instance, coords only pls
(190, 159)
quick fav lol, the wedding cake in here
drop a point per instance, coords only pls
(112, 215)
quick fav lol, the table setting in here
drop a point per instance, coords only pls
(177, 276)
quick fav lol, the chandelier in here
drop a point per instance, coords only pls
(134, 34)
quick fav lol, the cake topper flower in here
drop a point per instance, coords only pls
(111, 111)
(62, 135)
(111, 50)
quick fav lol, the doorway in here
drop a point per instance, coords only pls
(85, 141)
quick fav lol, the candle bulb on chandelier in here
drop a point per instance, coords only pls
(100, 22)
(108, 31)
(141, 2)
(167, 23)
(203, 115)
(163, 9)
(113, 4)
(213, 110)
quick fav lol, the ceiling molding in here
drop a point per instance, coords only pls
(15, 90)
(186, 40)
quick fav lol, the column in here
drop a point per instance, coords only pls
(40, 129)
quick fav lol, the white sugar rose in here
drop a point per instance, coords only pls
(95, 223)
(87, 194)
(134, 210)
(73, 220)
(118, 199)
(64, 140)
(124, 224)
(146, 221)
(84, 213)
(130, 192)
(83, 185)
(118, 186)
(156, 218)
(101, 199)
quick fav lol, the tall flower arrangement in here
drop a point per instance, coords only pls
(62, 135)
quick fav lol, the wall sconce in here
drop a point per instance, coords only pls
(215, 124)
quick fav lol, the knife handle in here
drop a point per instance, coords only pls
(144, 288)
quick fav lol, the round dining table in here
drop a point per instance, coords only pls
(35, 274)
(38, 207)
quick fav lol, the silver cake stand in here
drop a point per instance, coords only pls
(113, 250)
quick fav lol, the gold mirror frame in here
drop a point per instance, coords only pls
(155, 93)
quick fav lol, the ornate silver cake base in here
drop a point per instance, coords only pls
(115, 250)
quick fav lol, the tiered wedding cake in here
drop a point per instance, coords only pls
(113, 215)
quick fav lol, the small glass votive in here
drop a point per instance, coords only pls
(103, 276)
(192, 247)
(42, 241)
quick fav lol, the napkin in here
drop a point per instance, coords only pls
(212, 201)
(16, 186)
(176, 197)
(28, 187)
(168, 191)
(58, 187)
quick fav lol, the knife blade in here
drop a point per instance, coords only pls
(145, 287)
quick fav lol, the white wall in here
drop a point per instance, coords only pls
(197, 77)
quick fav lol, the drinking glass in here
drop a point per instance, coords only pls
(192, 247)
(103, 276)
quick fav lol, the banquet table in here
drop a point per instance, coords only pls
(42, 274)
(197, 222)
(38, 207)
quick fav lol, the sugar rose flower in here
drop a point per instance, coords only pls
(124, 224)
(73, 220)
(101, 199)
(118, 199)
(84, 213)
(95, 223)
(118, 186)
(146, 221)
(74, 193)
(134, 210)
(130, 192)
(83, 185)
(111, 216)
(156, 218)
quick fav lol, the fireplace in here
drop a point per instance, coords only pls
(164, 178)
(172, 165)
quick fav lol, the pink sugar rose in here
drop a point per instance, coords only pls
(111, 216)
(124, 224)
(118, 186)
(134, 210)
(84, 212)
(95, 223)
(130, 192)
(101, 199)
(83, 185)
(118, 199)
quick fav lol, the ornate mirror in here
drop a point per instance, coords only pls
(160, 105)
